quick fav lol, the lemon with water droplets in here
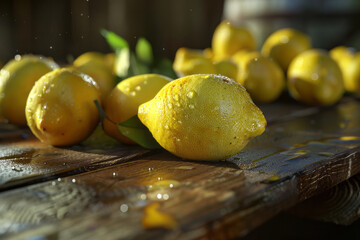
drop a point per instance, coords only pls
(60, 109)
(101, 75)
(125, 98)
(315, 79)
(17, 78)
(284, 45)
(202, 117)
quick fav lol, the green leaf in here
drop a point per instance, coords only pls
(136, 131)
(114, 40)
(144, 51)
(137, 67)
(122, 62)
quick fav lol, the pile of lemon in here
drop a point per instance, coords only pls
(206, 114)
(286, 61)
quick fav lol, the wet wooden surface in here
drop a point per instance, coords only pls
(89, 192)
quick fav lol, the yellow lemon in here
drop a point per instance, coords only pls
(125, 98)
(101, 74)
(226, 68)
(262, 78)
(203, 117)
(227, 40)
(285, 44)
(208, 53)
(90, 57)
(352, 75)
(60, 109)
(17, 78)
(342, 54)
(110, 61)
(345, 57)
(315, 79)
(191, 61)
(239, 55)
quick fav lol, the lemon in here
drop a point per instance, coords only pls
(17, 78)
(202, 117)
(208, 53)
(101, 74)
(226, 68)
(262, 78)
(239, 55)
(90, 57)
(345, 57)
(191, 61)
(285, 44)
(342, 54)
(60, 109)
(315, 79)
(228, 39)
(110, 61)
(125, 98)
(352, 75)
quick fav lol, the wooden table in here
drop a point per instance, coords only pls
(114, 191)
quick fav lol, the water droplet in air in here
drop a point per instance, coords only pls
(114, 174)
(124, 208)
(137, 88)
(51, 47)
(73, 180)
(17, 57)
(159, 196)
(132, 93)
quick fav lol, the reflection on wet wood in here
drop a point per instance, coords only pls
(25, 160)
(295, 159)
(340, 204)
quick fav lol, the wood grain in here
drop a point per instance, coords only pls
(24, 160)
(340, 204)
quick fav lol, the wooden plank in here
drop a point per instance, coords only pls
(340, 204)
(24, 161)
(293, 161)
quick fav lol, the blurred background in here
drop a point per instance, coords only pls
(63, 28)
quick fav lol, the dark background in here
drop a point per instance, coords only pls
(62, 28)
